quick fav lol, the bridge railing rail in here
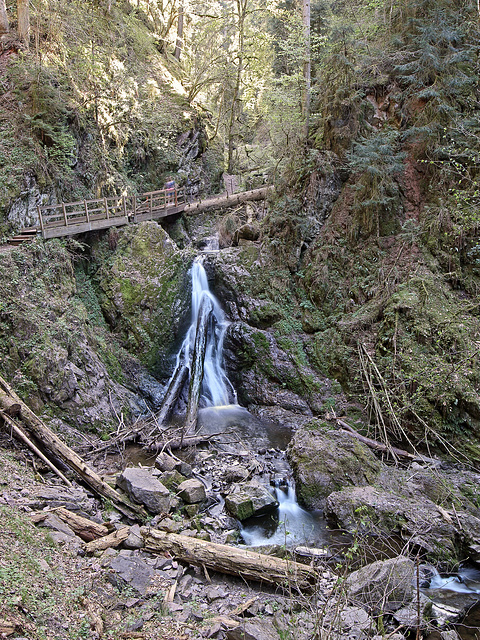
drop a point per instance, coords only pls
(114, 208)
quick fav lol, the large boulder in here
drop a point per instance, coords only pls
(250, 499)
(144, 488)
(192, 491)
(382, 585)
(324, 461)
(416, 518)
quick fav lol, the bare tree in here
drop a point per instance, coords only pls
(179, 43)
(4, 28)
(306, 64)
(23, 14)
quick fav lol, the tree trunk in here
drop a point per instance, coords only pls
(8, 405)
(231, 560)
(55, 446)
(175, 387)
(23, 15)
(197, 366)
(4, 27)
(307, 66)
(86, 529)
(106, 542)
(241, 12)
(224, 201)
(179, 43)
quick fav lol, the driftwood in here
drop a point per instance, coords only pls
(180, 443)
(225, 200)
(379, 446)
(9, 406)
(231, 560)
(198, 362)
(175, 387)
(112, 540)
(55, 446)
(22, 436)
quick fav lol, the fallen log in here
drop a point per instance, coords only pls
(175, 387)
(86, 529)
(198, 362)
(112, 540)
(20, 435)
(225, 200)
(181, 443)
(231, 560)
(54, 445)
(9, 406)
(374, 444)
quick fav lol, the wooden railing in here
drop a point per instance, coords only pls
(89, 215)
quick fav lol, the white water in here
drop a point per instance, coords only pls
(295, 525)
(466, 581)
(216, 387)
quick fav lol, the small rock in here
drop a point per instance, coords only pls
(191, 510)
(248, 500)
(254, 630)
(192, 491)
(164, 462)
(135, 539)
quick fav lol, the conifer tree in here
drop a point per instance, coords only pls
(23, 14)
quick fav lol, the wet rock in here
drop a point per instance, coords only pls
(325, 461)
(416, 518)
(449, 606)
(248, 500)
(192, 491)
(254, 630)
(144, 488)
(384, 581)
(133, 571)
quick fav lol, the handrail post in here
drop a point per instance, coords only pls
(65, 214)
(85, 205)
(106, 207)
(176, 199)
(40, 219)
(151, 206)
(124, 203)
(134, 208)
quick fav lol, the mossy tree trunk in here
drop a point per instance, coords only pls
(4, 27)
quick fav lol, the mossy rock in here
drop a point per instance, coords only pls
(324, 461)
(145, 293)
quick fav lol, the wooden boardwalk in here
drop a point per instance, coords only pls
(67, 219)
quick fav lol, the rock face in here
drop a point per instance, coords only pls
(146, 292)
(192, 491)
(248, 500)
(324, 461)
(381, 583)
(144, 488)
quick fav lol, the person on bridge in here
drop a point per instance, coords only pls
(170, 191)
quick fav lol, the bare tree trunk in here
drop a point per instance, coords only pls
(179, 43)
(4, 28)
(23, 15)
(224, 201)
(197, 366)
(232, 560)
(174, 389)
(242, 12)
(307, 65)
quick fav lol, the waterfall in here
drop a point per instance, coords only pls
(215, 386)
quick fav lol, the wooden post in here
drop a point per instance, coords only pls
(124, 204)
(40, 217)
(134, 208)
(151, 206)
(86, 210)
(106, 207)
(65, 214)
(176, 199)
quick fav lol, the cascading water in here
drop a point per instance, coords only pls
(216, 388)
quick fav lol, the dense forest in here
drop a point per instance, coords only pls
(351, 293)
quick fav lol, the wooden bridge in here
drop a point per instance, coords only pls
(68, 219)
